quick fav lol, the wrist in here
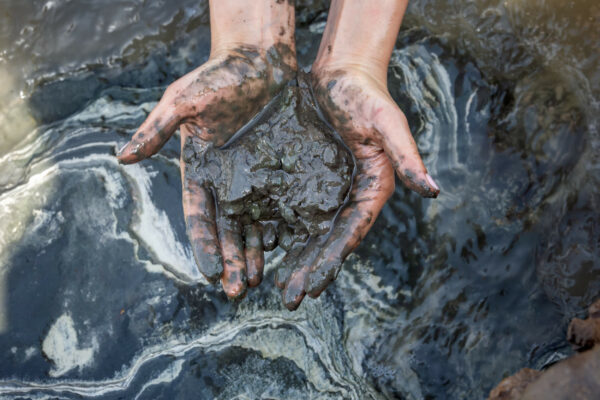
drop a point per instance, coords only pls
(360, 36)
(252, 24)
(226, 38)
(374, 69)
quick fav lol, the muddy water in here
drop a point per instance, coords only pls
(99, 296)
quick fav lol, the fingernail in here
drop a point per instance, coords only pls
(121, 149)
(432, 182)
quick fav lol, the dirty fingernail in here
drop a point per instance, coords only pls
(432, 182)
(120, 152)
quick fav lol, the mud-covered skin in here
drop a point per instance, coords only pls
(215, 100)
(370, 123)
(255, 259)
(269, 236)
(349, 81)
(576, 378)
(287, 168)
(377, 133)
(209, 105)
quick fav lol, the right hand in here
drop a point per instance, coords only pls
(360, 108)
(209, 105)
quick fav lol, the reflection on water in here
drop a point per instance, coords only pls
(99, 295)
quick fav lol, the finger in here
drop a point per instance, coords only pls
(199, 212)
(255, 258)
(372, 186)
(234, 263)
(294, 290)
(286, 266)
(285, 238)
(269, 236)
(400, 147)
(152, 134)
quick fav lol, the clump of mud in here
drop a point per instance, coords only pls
(288, 166)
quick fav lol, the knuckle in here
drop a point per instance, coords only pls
(170, 93)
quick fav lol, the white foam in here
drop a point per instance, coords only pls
(154, 228)
(30, 352)
(167, 376)
(61, 345)
(151, 225)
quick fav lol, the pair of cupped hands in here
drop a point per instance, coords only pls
(212, 102)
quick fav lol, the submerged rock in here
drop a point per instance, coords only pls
(288, 166)
(585, 333)
(513, 387)
(576, 378)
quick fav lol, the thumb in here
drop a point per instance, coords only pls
(401, 149)
(153, 133)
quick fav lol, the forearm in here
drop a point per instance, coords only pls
(362, 34)
(256, 23)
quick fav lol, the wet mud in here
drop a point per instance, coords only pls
(288, 168)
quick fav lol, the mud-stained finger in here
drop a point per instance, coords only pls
(234, 263)
(373, 185)
(199, 212)
(285, 237)
(152, 134)
(287, 266)
(255, 258)
(400, 147)
(269, 236)
(294, 290)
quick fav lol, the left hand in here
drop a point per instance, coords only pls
(209, 105)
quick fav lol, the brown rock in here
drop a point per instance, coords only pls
(584, 333)
(576, 378)
(514, 386)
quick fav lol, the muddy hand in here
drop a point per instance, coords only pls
(349, 80)
(209, 105)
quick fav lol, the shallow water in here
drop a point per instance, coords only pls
(99, 295)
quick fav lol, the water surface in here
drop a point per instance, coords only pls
(99, 295)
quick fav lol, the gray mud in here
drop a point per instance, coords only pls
(287, 166)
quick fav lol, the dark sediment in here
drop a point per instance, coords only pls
(288, 166)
